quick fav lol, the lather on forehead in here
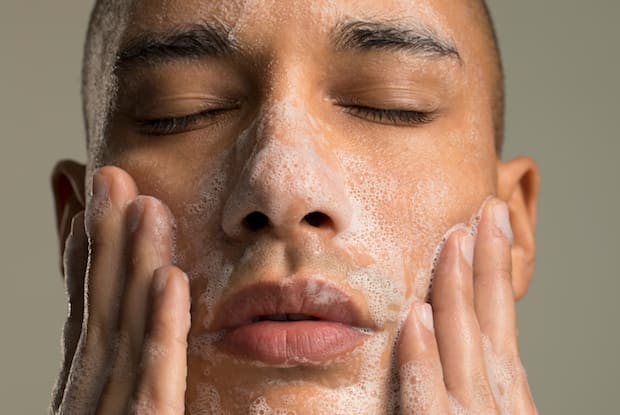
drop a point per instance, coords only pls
(106, 51)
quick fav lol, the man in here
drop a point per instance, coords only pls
(300, 173)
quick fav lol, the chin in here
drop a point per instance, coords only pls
(357, 381)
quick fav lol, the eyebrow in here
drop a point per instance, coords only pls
(212, 39)
(193, 41)
(379, 36)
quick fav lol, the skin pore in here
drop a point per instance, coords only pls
(284, 147)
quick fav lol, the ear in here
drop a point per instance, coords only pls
(69, 198)
(518, 185)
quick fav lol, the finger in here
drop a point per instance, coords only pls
(456, 325)
(162, 384)
(75, 257)
(150, 247)
(494, 298)
(495, 308)
(113, 189)
(422, 389)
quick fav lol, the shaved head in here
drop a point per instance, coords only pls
(486, 23)
(105, 31)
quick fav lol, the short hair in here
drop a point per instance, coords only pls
(106, 27)
(109, 19)
(497, 73)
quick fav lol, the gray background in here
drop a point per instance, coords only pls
(562, 65)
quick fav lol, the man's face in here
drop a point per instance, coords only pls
(313, 155)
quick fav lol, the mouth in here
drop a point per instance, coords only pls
(290, 323)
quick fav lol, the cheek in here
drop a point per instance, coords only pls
(402, 210)
(194, 192)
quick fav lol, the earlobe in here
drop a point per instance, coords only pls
(69, 197)
(518, 186)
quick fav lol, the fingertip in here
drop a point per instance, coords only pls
(425, 315)
(170, 317)
(121, 186)
(417, 333)
(170, 288)
(407, 337)
(112, 189)
(440, 254)
(451, 242)
(170, 275)
(457, 250)
(467, 243)
(153, 212)
(495, 219)
(501, 220)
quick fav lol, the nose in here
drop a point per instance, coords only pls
(290, 181)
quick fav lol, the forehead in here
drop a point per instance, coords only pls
(271, 22)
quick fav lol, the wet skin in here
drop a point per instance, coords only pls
(299, 159)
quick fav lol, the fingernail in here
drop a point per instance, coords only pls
(101, 187)
(134, 216)
(501, 218)
(467, 249)
(159, 281)
(425, 314)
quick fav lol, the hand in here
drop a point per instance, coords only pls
(468, 361)
(126, 334)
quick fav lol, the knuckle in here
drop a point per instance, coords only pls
(504, 272)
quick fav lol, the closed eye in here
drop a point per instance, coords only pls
(180, 124)
(390, 116)
(184, 123)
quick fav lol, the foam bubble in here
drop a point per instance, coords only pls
(322, 296)
(503, 376)
(207, 401)
(418, 396)
(385, 296)
(261, 407)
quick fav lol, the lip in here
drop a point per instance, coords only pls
(339, 327)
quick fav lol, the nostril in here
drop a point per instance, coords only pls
(317, 219)
(256, 221)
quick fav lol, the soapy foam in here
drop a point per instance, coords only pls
(85, 381)
(208, 401)
(385, 297)
(218, 273)
(419, 398)
(370, 193)
(503, 375)
(261, 407)
(369, 230)
(456, 408)
(471, 229)
(287, 154)
(370, 390)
